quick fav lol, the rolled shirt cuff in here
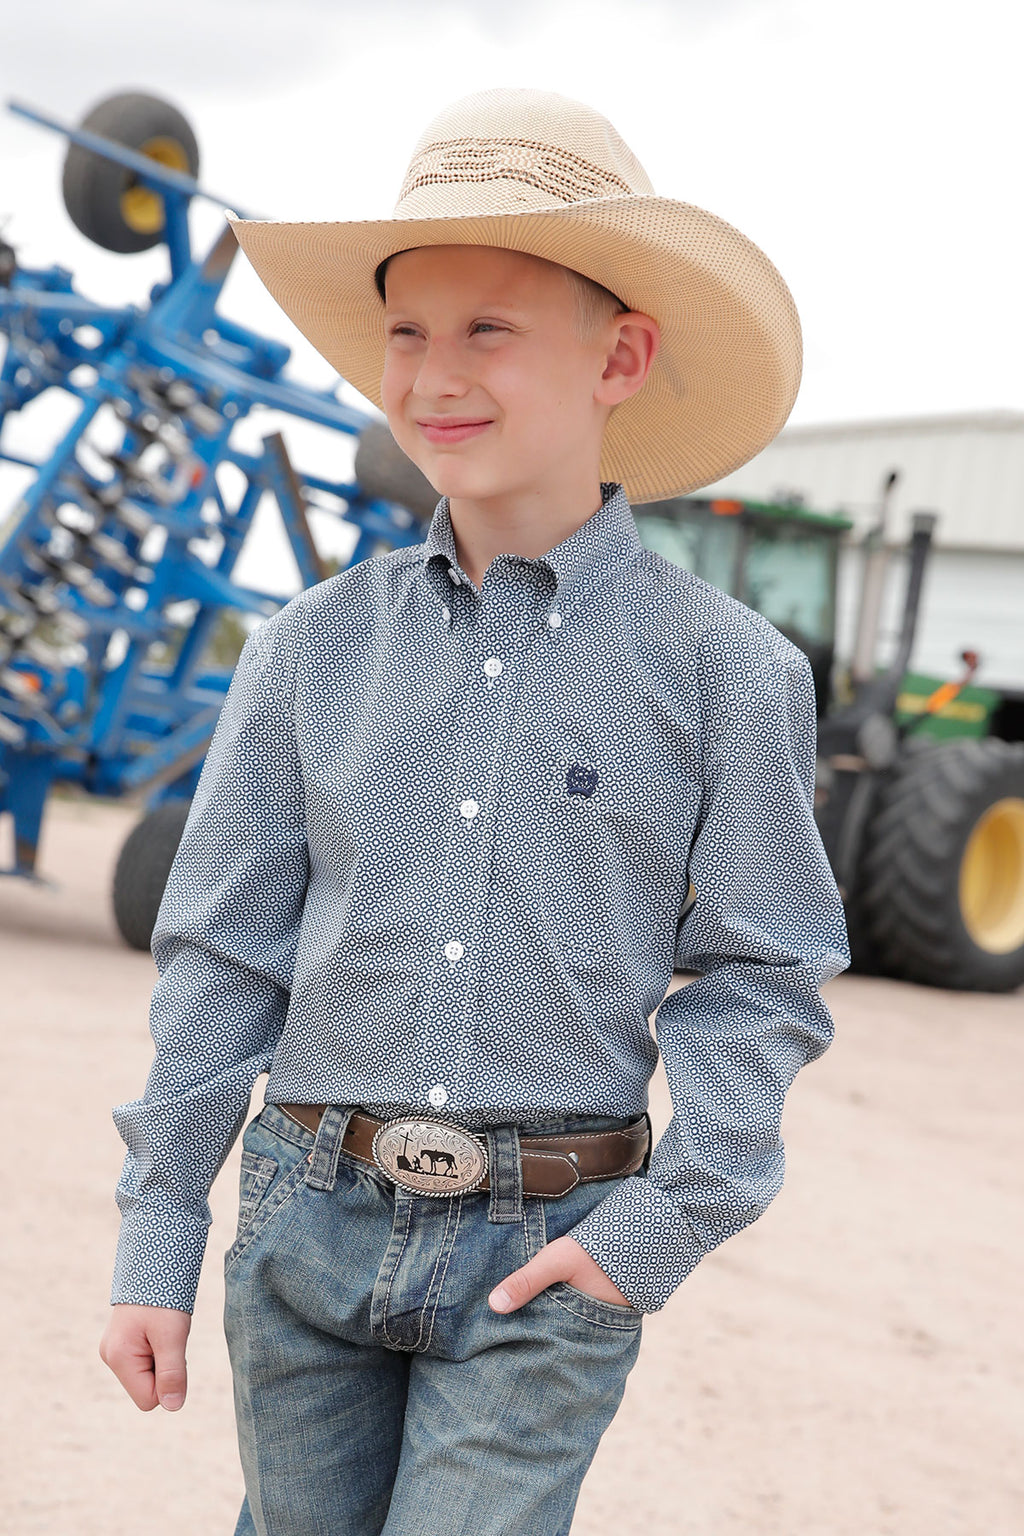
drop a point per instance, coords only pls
(641, 1241)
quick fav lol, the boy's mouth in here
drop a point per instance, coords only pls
(440, 430)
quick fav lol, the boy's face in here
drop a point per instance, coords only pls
(482, 335)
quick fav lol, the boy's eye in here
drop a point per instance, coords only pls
(477, 325)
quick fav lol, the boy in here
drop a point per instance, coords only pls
(467, 806)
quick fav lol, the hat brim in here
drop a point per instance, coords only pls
(728, 368)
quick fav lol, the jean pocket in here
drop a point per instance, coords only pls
(606, 1314)
(272, 1167)
(256, 1175)
(559, 1217)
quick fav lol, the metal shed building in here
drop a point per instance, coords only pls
(969, 470)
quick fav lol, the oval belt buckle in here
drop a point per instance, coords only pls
(430, 1157)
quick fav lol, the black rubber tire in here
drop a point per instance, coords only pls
(864, 957)
(384, 472)
(142, 868)
(909, 884)
(93, 186)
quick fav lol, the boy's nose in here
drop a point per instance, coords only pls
(442, 371)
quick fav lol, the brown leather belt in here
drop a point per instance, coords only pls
(552, 1164)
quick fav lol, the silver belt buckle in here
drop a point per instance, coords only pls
(430, 1157)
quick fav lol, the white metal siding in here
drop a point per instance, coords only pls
(970, 600)
(968, 469)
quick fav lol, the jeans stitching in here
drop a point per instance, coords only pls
(451, 1250)
(627, 1324)
(394, 1272)
(433, 1276)
(258, 1171)
(285, 1190)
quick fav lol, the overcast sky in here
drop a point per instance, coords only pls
(874, 150)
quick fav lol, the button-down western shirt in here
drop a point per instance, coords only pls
(447, 847)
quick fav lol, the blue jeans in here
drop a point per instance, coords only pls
(375, 1389)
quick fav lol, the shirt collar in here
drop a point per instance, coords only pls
(608, 538)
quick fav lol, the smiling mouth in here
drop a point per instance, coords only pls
(454, 433)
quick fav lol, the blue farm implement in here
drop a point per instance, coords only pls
(124, 544)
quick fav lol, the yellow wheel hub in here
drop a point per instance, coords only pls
(142, 208)
(992, 878)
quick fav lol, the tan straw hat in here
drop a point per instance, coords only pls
(533, 171)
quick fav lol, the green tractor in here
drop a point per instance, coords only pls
(920, 781)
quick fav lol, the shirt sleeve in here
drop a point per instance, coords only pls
(224, 944)
(766, 929)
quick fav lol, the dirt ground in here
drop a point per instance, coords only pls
(851, 1365)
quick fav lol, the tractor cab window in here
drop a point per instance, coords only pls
(790, 578)
(688, 533)
(781, 566)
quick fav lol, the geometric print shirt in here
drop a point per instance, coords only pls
(447, 847)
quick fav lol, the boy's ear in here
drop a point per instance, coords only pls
(635, 343)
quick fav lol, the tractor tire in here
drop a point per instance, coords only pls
(941, 886)
(142, 868)
(106, 201)
(383, 471)
(866, 959)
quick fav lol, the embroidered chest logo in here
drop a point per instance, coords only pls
(580, 780)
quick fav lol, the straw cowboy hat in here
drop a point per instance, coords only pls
(533, 171)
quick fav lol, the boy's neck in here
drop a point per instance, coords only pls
(527, 521)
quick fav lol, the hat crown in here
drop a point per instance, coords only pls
(508, 150)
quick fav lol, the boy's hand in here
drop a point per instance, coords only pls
(145, 1349)
(562, 1259)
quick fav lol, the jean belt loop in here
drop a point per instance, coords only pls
(323, 1163)
(505, 1174)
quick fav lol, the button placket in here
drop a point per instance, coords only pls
(498, 639)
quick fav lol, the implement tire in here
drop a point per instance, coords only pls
(107, 201)
(941, 881)
(142, 868)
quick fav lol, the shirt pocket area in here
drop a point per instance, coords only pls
(636, 818)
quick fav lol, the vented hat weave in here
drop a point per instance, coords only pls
(534, 171)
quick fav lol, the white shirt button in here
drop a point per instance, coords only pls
(438, 1095)
(454, 950)
(469, 808)
(554, 619)
(446, 612)
(493, 667)
(453, 576)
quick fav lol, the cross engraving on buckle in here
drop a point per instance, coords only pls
(430, 1157)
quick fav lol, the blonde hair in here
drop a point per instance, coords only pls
(593, 305)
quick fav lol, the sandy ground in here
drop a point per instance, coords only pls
(851, 1365)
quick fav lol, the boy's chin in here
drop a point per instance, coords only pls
(465, 482)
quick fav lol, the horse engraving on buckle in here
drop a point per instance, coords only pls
(430, 1157)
